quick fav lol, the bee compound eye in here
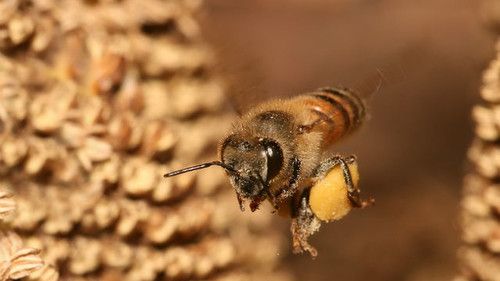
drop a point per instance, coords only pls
(274, 156)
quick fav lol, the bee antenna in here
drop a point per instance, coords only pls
(199, 167)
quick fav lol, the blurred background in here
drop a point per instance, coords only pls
(411, 151)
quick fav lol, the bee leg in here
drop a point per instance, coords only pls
(240, 202)
(303, 129)
(283, 195)
(291, 190)
(352, 192)
(304, 224)
(309, 127)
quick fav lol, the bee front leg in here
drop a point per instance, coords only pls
(352, 192)
(240, 202)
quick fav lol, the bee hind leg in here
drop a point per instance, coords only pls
(353, 193)
(304, 224)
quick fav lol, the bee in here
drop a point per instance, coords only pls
(276, 152)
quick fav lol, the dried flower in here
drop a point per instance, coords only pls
(84, 257)
(94, 150)
(124, 132)
(30, 213)
(17, 261)
(106, 212)
(117, 255)
(7, 204)
(107, 172)
(44, 35)
(139, 177)
(132, 215)
(158, 139)
(48, 111)
(12, 151)
(20, 29)
(170, 189)
(108, 72)
(46, 273)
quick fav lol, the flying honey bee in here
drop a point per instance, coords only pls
(276, 152)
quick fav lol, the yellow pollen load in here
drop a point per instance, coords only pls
(328, 198)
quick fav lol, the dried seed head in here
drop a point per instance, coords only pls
(20, 29)
(480, 264)
(179, 263)
(13, 98)
(17, 260)
(212, 255)
(188, 99)
(161, 228)
(133, 214)
(490, 90)
(189, 221)
(476, 206)
(40, 153)
(106, 212)
(44, 35)
(94, 150)
(143, 270)
(486, 128)
(84, 256)
(93, 111)
(492, 197)
(166, 57)
(139, 177)
(67, 169)
(195, 216)
(164, 190)
(170, 189)
(30, 213)
(108, 72)
(46, 273)
(48, 111)
(124, 132)
(158, 139)
(7, 11)
(72, 134)
(117, 255)
(130, 97)
(107, 172)
(57, 221)
(55, 251)
(13, 151)
(7, 204)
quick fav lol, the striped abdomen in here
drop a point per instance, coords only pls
(338, 112)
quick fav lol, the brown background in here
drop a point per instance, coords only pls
(411, 151)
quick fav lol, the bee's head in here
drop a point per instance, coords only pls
(250, 164)
(255, 162)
